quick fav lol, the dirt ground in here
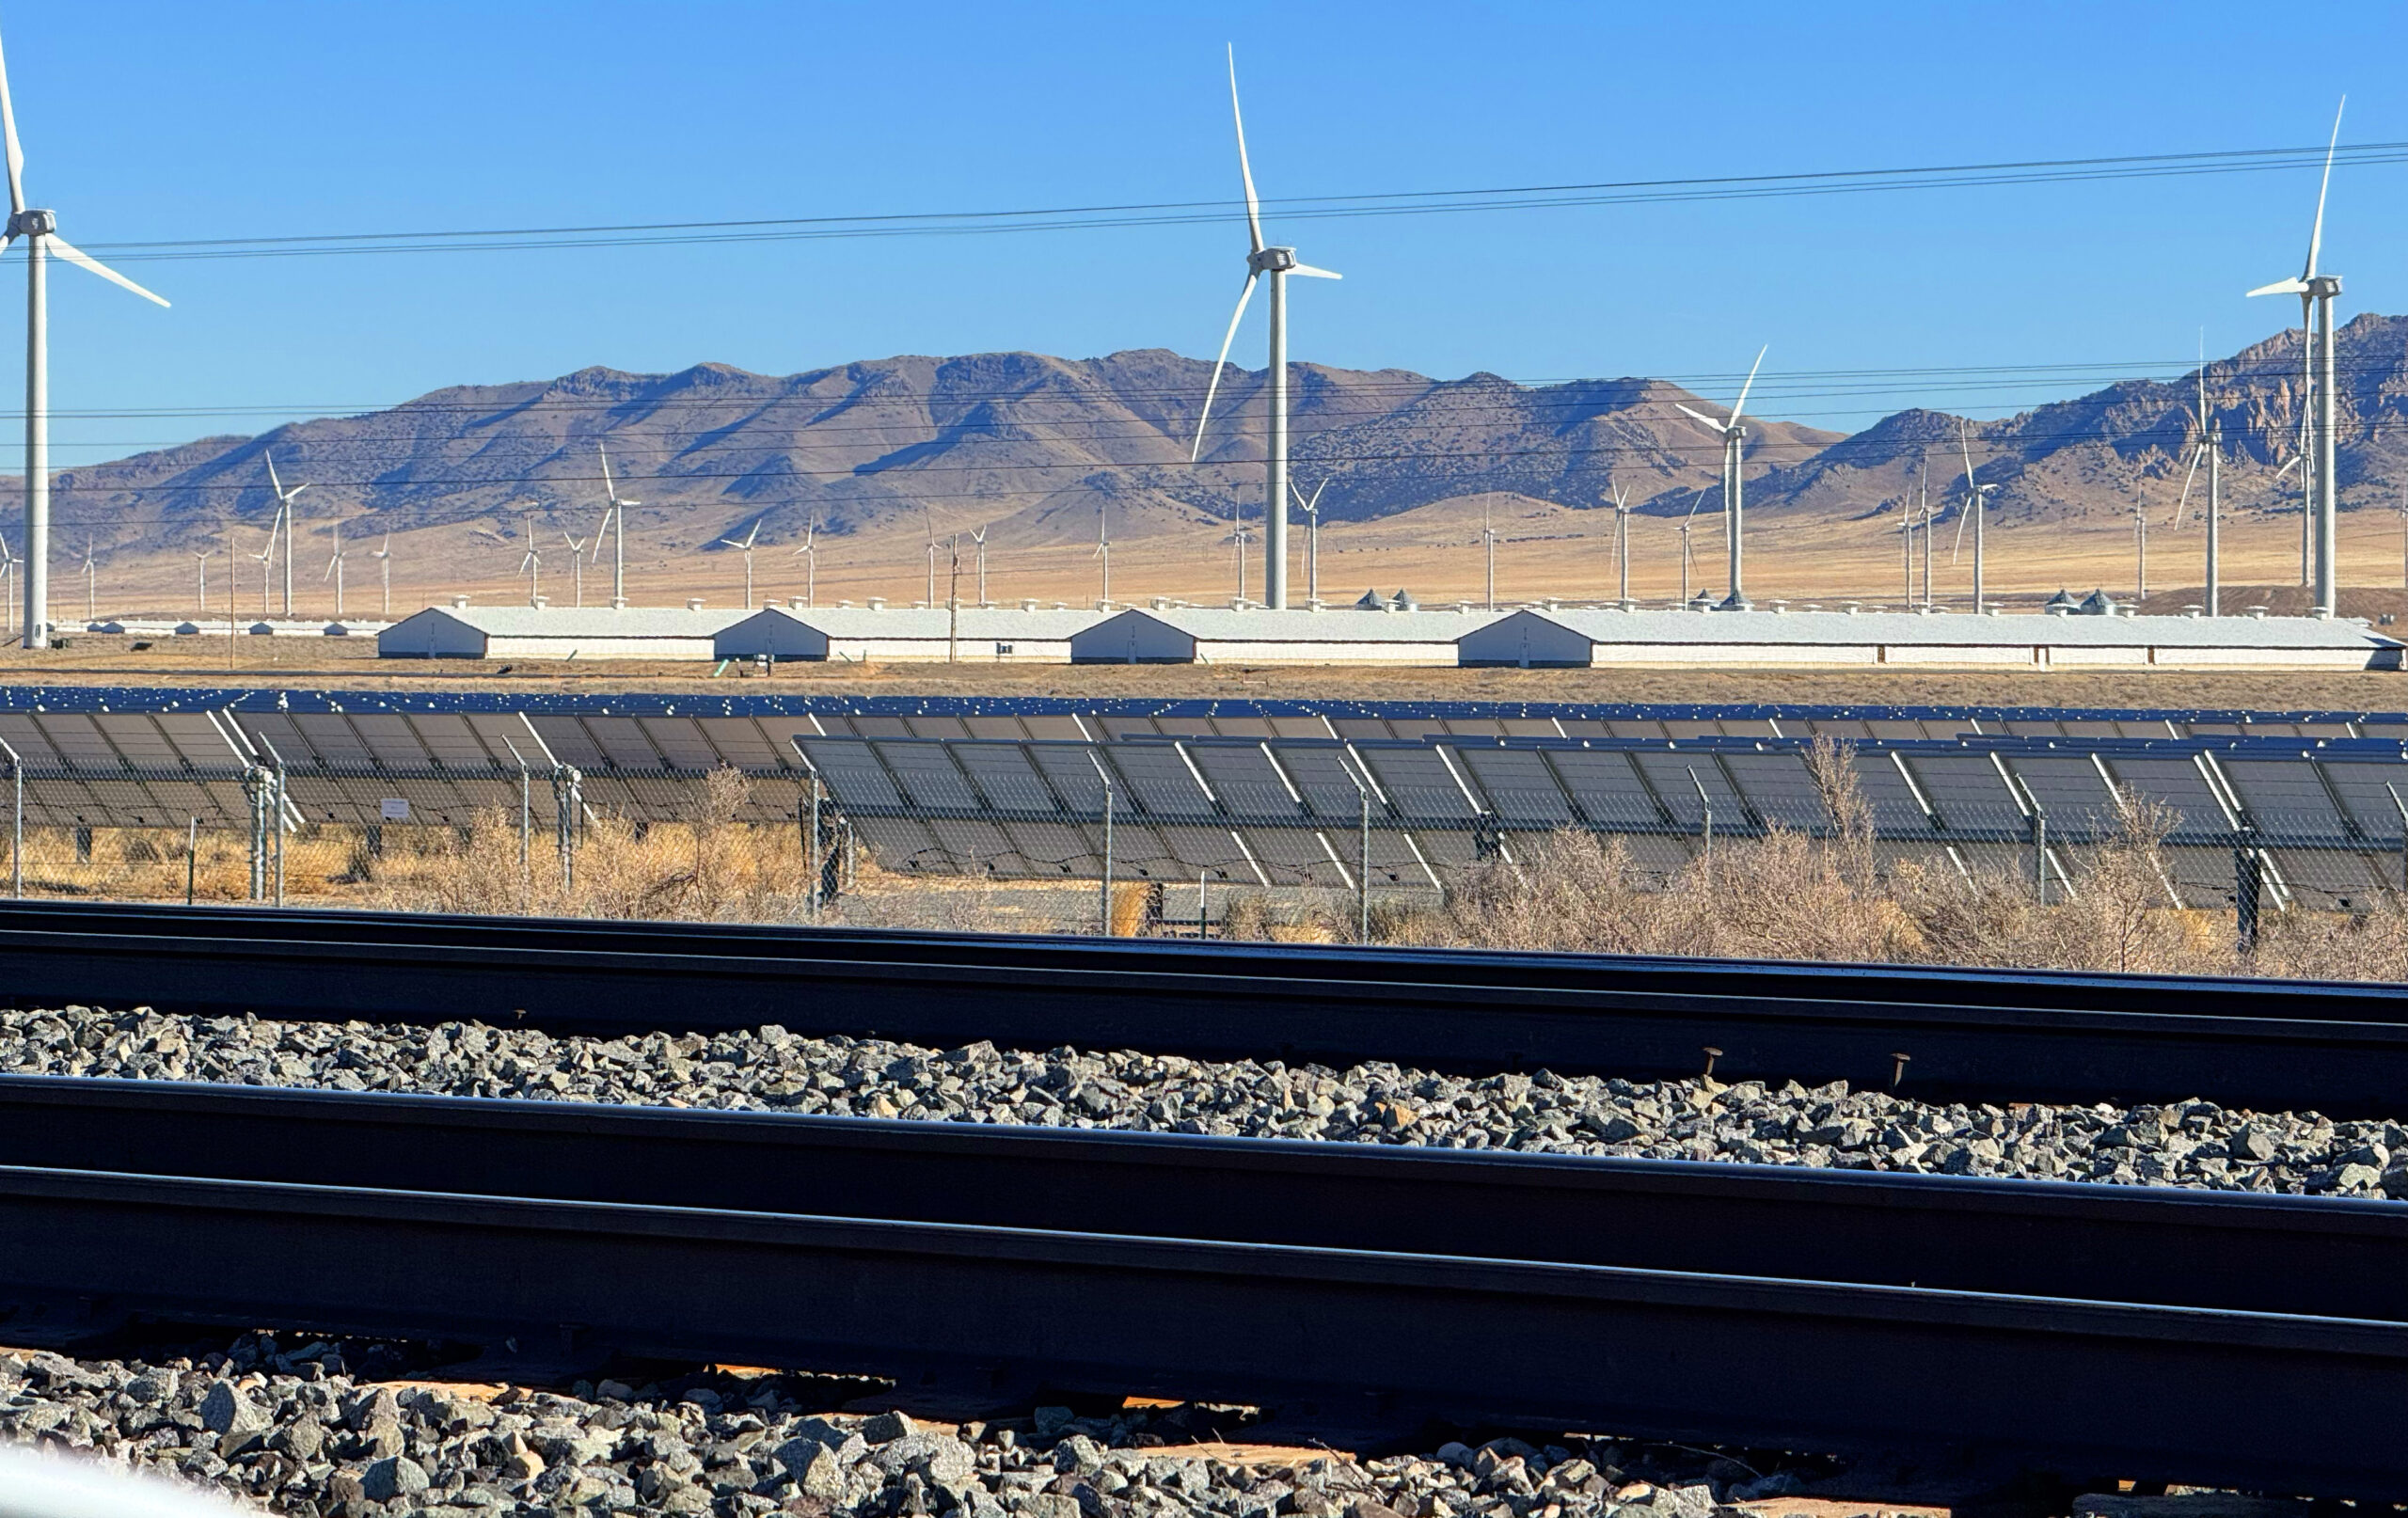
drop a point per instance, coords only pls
(326, 664)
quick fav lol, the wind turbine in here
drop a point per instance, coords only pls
(809, 554)
(614, 522)
(1622, 547)
(334, 568)
(1103, 551)
(746, 546)
(1278, 262)
(1930, 520)
(1907, 544)
(532, 566)
(8, 562)
(576, 563)
(2210, 448)
(1732, 434)
(200, 574)
(2316, 290)
(929, 519)
(91, 576)
(978, 536)
(1974, 496)
(284, 520)
(2140, 543)
(266, 556)
(1310, 506)
(1243, 538)
(1689, 559)
(1488, 537)
(384, 558)
(39, 230)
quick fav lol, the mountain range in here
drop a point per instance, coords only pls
(1042, 443)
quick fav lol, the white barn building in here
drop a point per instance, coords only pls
(1200, 634)
(981, 635)
(460, 631)
(1586, 639)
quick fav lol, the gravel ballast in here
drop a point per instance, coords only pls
(2177, 1142)
(295, 1431)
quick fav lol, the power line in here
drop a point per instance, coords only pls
(1310, 208)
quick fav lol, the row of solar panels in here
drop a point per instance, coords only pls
(116, 743)
(1291, 811)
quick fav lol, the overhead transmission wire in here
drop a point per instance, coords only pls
(1302, 208)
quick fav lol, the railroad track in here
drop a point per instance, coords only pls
(1939, 1034)
(2202, 1337)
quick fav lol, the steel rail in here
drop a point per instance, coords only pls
(2234, 1250)
(1366, 1326)
(1943, 1033)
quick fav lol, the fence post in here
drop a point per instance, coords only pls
(818, 877)
(16, 821)
(1104, 776)
(2040, 857)
(192, 857)
(526, 837)
(1706, 803)
(276, 820)
(2248, 879)
(1203, 905)
(567, 797)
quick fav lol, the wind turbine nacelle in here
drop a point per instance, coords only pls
(1269, 261)
(2321, 286)
(33, 224)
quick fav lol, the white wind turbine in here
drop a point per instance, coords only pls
(91, 577)
(1278, 262)
(1103, 551)
(8, 562)
(978, 536)
(284, 523)
(809, 554)
(927, 519)
(1976, 496)
(1310, 506)
(384, 558)
(532, 566)
(2210, 451)
(1621, 548)
(1732, 435)
(1688, 555)
(575, 563)
(1488, 539)
(615, 524)
(266, 558)
(39, 230)
(200, 575)
(2316, 290)
(334, 568)
(746, 547)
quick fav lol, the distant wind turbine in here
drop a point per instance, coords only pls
(809, 554)
(1310, 506)
(1278, 262)
(1976, 495)
(283, 523)
(929, 519)
(334, 568)
(1103, 550)
(1489, 538)
(575, 563)
(200, 574)
(1689, 556)
(1733, 520)
(1622, 547)
(8, 562)
(532, 566)
(91, 577)
(614, 523)
(2140, 541)
(39, 230)
(2316, 290)
(384, 558)
(978, 536)
(746, 547)
(266, 557)
(2210, 452)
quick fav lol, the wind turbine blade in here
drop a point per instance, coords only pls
(15, 153)
(1218, 364)
(754, 533)
(272, 482)
(74, 255)
(609, 487)
(2316, 237)
(1964, 445)
(294, 491)
(1314, 504)
(1309, 271)
(2288, 468)
(1253, 205)
(2282, 287)
(2183, 501)
(1717, 429)
(1959, 543)
(1742, 402)
(1696, 500)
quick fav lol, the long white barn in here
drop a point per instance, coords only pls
(1199, 635)
(981, 635)
(460, 631)
(1587, 639)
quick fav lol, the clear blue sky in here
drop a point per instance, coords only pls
(154, 121)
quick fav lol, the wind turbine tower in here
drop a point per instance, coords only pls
(201, 573)
(1278, 262)
(384, 558)
(2316, 290)
(334, 569)
(532, 566)
(1621, 548)
(1103, 552)
(1310, 506)
(614, 523)
(2210, 451)
(1489, 538)
(1976, 496)
(1732, 435)
(91, 591)
(283, 523)
(39, 230)
(809, 554)
(745, 547)
(978, 537)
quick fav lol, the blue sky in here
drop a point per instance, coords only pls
(153, 122)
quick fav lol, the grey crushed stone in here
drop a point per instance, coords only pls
(328, 1446)
(2178, 1143)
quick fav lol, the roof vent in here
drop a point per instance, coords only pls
(771, 601)
(1028, 603)
(693, 603)
(877, 603)
(2193, 611)
(2056, 608)
(2257, 613)
(1161, 603)
(1780, 609)
(1852, 607)
(539, 601)
(1061, 605)
(460, 602)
